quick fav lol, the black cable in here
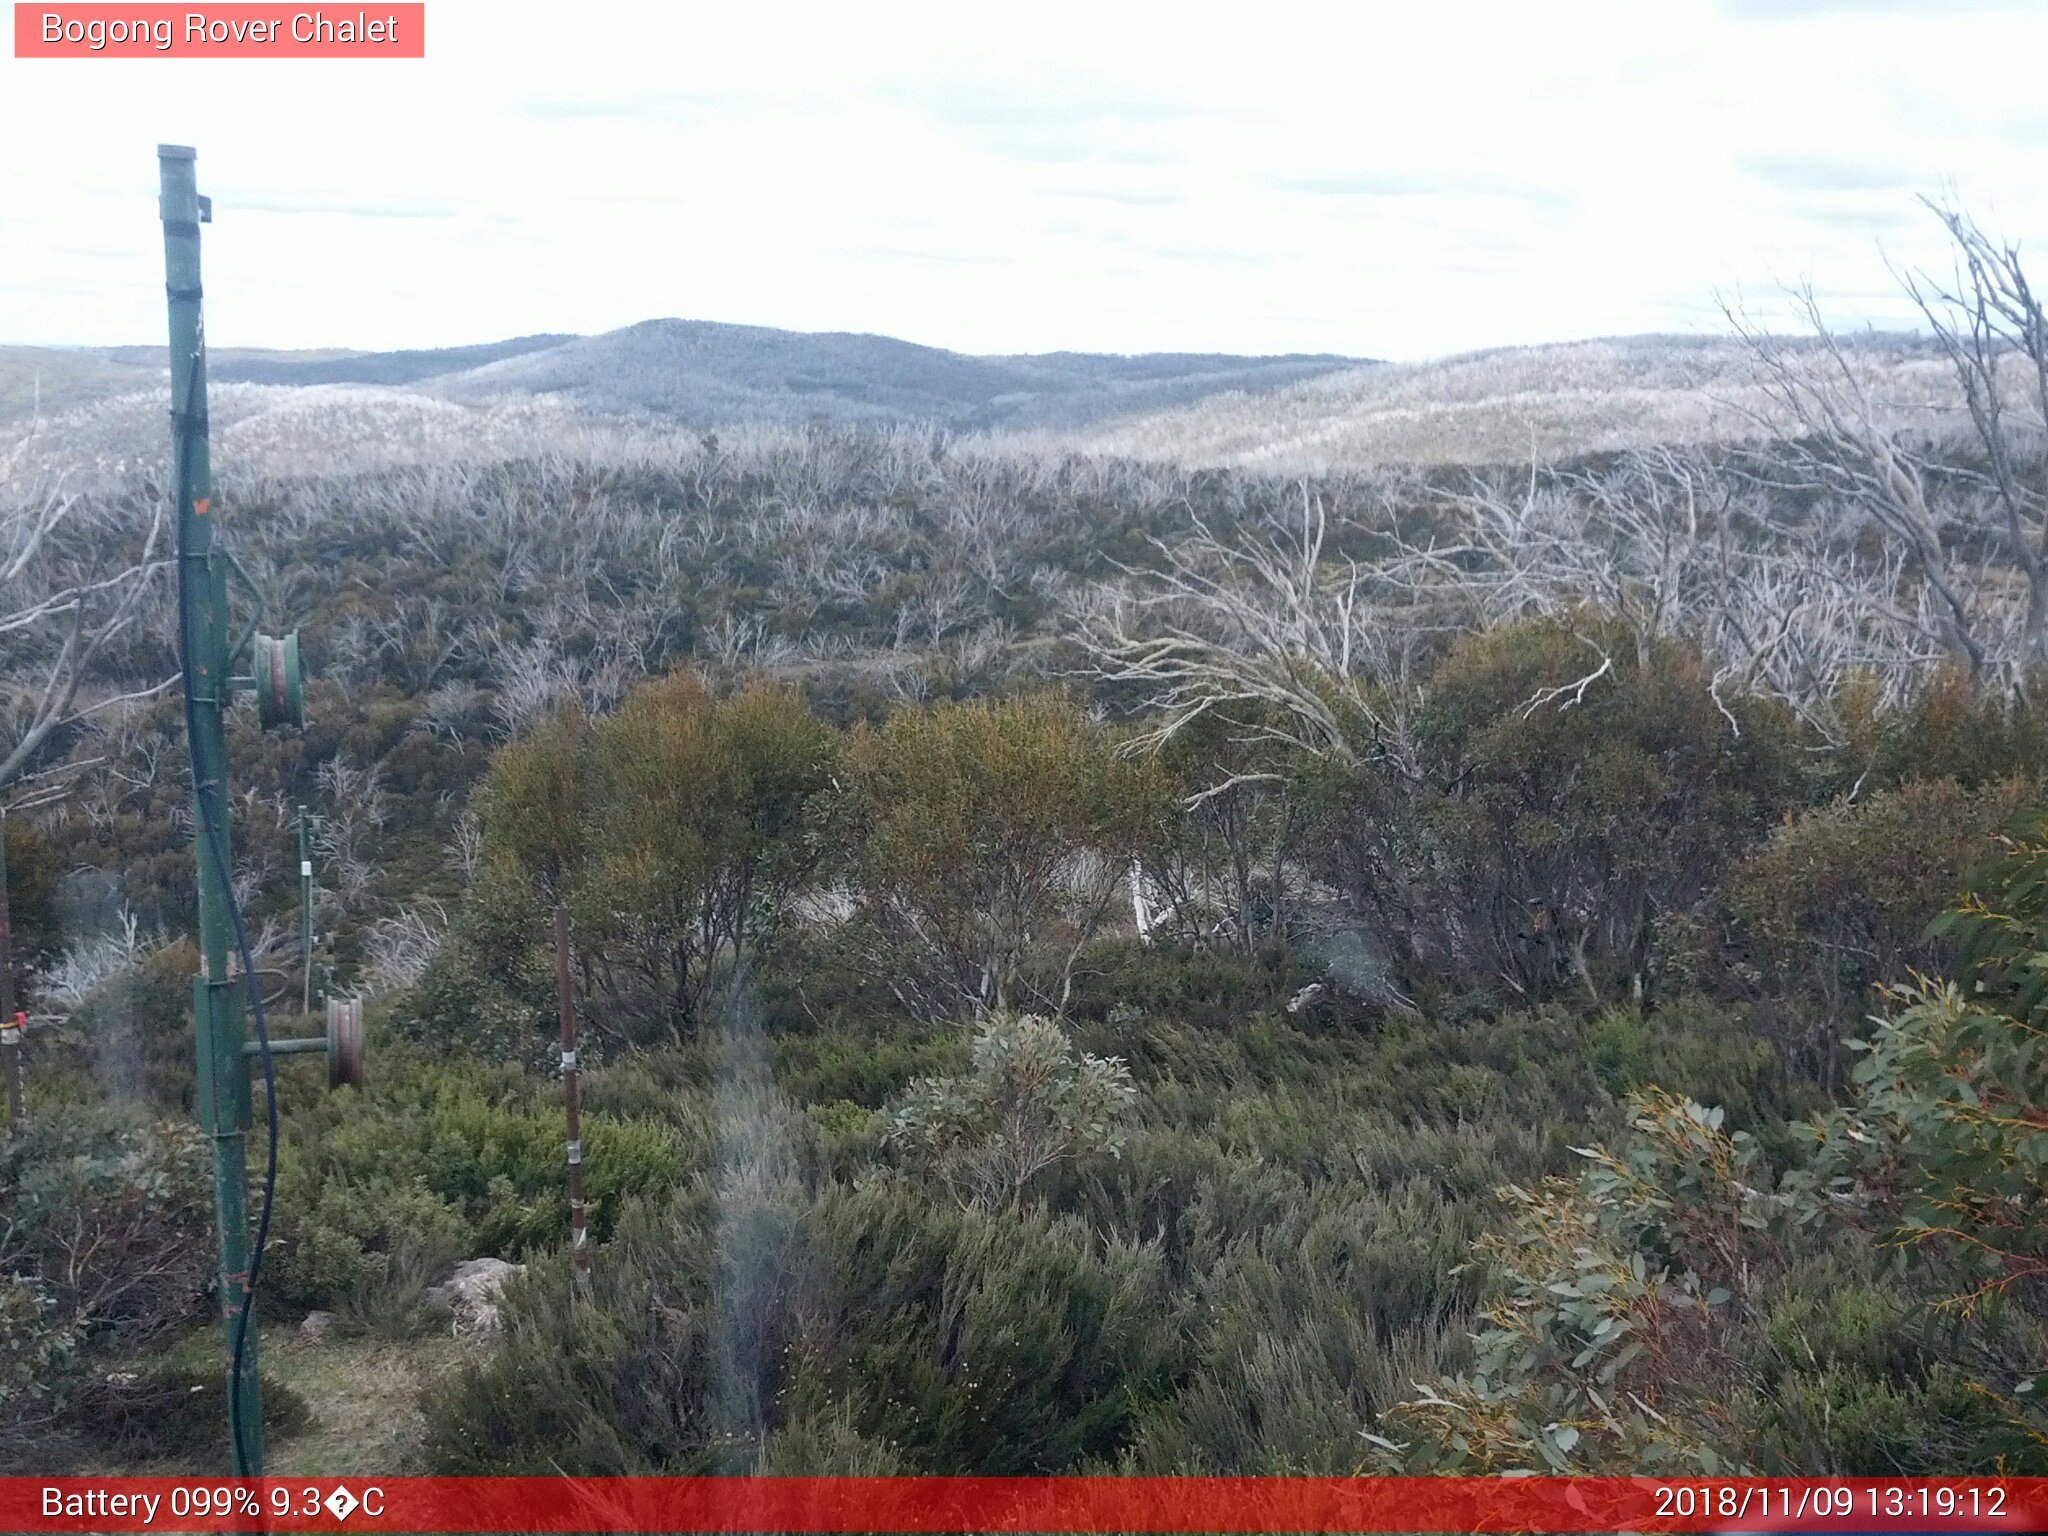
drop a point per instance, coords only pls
(270, 1153)
(221, 869)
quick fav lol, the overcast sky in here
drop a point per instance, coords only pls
(1373, 178)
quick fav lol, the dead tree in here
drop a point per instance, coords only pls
(1846, 446)
(1990, 325)
(1678, 547)
(1259, 630)
(76, 576)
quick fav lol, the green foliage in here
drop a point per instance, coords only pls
(1616, 1295)
(703, 838)
(1839, 899)
(993, 838)
(31, 867)
(1028, 1102)
(1948, 728)
(103, 1206)
(1313, 1307)
(534, 807)
(38, 1353)
(105, 1223)
(1714, 1050)
(344, 1245)
(868, 1319)
(1300, 1196)
(1652, 1312)
(1192, 983)
(867, 1070)
(1945, 1146)
(1219, 865)
(380, 1189)
(1849, 1369)
(1297, 1221)
(1947, 1127)
(1572, 792)
(489, 991)
(167, 1411)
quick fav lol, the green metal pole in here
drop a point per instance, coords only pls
(306, 908)
(203, 606)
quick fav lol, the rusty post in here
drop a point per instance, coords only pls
(565, 997)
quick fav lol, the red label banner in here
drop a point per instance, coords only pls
(234, 31)
(1846, 1506)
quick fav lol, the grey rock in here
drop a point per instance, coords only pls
(472, 1290)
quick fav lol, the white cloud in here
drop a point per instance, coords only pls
(1374, 180)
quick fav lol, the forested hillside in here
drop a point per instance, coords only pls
(1085, 964)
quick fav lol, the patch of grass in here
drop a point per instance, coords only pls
(362, 1399)
(337, 1407)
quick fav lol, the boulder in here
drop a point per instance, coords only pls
(472, 1290)
(1308, 995)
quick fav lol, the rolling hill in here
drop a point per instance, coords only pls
(706, 374)
(1507, 405)
(701, 374)
(321, 411)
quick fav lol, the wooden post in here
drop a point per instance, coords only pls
(565, 997)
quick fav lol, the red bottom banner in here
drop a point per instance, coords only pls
(1845, 1506)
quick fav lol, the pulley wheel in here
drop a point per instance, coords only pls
(280, 686)
(344, 1042)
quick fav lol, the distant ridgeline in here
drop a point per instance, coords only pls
(707, 375)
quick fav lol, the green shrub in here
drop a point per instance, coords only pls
(489, 990)
(1239, 816)
(1713, 1052)
(381, 1188)
(1607, 1341)
(676, 831)
(1950, 727)
(105, 1242)
(944, 1340)
(166, 1412)
(347, 1245)
(993, 840)
(1852, 1372)
(38, 1362)
(1306, 1329)
(111, 1211)
(135, 1030)
(861, 1068)
(32, 868)
(1028, 1102)
(1211, 987)
(1573, 792)
(1839, 900)
(1943, 1143)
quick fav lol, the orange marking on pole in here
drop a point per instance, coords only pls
(200, 504)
